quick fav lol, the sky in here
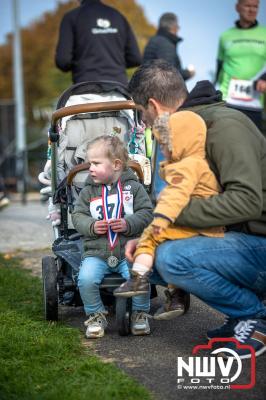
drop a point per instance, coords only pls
(201, 22)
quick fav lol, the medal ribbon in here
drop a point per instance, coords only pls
(112, 236)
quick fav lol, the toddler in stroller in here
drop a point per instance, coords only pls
(112, 208)
(85, 111)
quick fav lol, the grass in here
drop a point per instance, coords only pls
(46, 361)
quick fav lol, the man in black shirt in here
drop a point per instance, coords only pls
(96, 43)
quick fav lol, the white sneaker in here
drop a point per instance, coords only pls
(140, 323)
(4, 201)
(96, 324)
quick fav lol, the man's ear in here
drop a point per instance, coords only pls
(155, 105)
(159, 108)
(118, 164)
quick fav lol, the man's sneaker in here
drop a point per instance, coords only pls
(4, 201)
(250, 332)
(135, 286)
(174, 305)
(96, 324)
(224, 331)
(139, 323)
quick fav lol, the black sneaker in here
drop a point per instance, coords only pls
(135, 286)
(174, 306)
(251, 332)
(224, 331)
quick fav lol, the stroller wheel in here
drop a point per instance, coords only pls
(50, 293)
(187, 302)
(123, 312)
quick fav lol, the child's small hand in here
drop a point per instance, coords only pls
(118, 225)
(156, 230)
(100, 227)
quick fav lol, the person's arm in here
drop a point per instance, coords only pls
(132, 53)
(261, 83)
(235, 153)
(219, 62)
(186, 73)
(219, 67)
(142, 214)
(168, 53)
(182, 177)
(65, 45)
(81, 217)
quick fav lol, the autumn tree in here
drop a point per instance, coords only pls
(43, 82)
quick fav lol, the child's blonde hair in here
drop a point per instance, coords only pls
(112, 147)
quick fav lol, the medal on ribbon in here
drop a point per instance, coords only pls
(108, 215)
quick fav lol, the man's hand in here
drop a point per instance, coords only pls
(100, 227)
(261, 86)
(118, 225)
(130, 249)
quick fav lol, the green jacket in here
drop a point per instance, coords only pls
(236, 151)
(137, 211)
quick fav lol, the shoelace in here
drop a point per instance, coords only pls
(97, 317)
(243, 329)
(142, 316)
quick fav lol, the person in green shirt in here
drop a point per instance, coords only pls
(241, 65)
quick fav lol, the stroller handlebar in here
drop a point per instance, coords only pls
(91, 107)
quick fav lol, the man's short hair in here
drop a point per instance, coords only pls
(168, 21)
(160, 80)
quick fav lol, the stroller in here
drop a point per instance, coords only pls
(85, 111)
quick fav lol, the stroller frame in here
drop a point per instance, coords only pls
(57, 273)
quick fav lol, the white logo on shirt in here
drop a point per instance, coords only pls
(103, 23)
(103, 27)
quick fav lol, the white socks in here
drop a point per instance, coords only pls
(140, 268)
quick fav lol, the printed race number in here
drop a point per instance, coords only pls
(241, 90)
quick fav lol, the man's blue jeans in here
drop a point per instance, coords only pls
(91, 274)
(226, 273)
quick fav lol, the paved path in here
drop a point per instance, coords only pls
(151, 360)
(25, 227)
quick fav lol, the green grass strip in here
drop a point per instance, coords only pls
(45, 361)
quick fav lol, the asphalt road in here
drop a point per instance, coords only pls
(25, 227)
(151, 360)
